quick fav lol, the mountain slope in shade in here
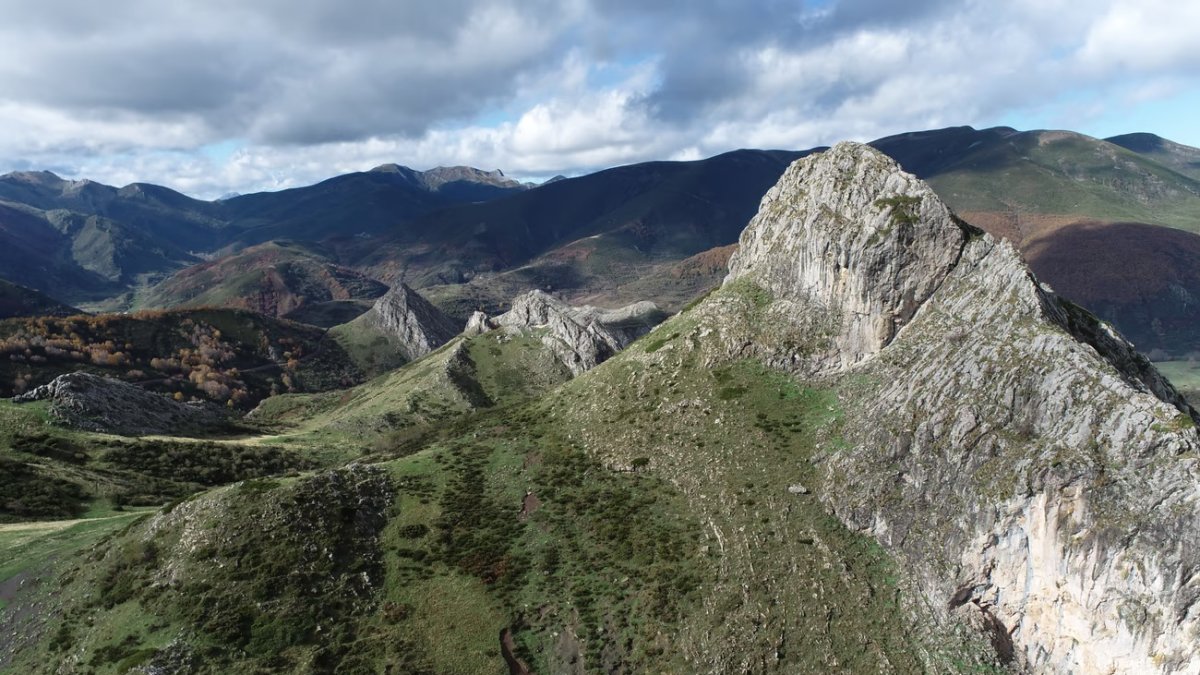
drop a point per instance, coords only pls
(1142, 278)
(79, 257)
(583, 237)
(1182, 158)
(283, 279)
(362, 203)
(16, 300)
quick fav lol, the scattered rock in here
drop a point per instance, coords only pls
(477, 324)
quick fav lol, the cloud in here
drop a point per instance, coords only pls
(307, 88)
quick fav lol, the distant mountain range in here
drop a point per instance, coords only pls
(82, 241)
(1109, 222)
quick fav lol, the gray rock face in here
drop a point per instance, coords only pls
(1038, 477)
(581, 337)
(418, 326)
(854, 235)
(477, 324)
(94, 403)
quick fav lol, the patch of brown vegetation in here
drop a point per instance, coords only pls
(704, 263)
(1018, 227)
(529, 505)
(1093, 262)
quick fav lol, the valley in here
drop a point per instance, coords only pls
(870, 448)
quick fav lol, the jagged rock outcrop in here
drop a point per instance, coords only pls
(477, 324)
(94, 403)
(581, 337)
(1036, 475)
(416, 325)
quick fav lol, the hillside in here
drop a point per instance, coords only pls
(1021, 182)
(226, 356)
(281, 279)
(1181, 158)
(867, 451)
(16, 300)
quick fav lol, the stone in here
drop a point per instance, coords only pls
(478, 324)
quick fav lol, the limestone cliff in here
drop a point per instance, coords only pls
(415, 325)
(581, 337)
(1037, 475)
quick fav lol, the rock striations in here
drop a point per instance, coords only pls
(581, 337)
(856, 237)
(1037, 476)
(415, 326)
(94, 403)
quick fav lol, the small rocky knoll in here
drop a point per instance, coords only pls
(93, 403)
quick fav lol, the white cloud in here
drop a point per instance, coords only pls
(134, 91)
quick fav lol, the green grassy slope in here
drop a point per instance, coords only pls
(1047, 173)
(656, 514)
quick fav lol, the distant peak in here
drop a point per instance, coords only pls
(1139, 141)
(391, 168)
(34, 177)
(439, 176)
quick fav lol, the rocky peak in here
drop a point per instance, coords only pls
(1034, 472)
(417, 325)
(849, 231)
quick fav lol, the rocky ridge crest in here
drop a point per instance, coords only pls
(1036, 474)
(580, 337)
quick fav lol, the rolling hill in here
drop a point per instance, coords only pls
(281, 279)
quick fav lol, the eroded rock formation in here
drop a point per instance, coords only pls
(1035, 473)
(581, 337)
(416, 325)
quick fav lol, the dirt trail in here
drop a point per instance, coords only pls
(55, 525)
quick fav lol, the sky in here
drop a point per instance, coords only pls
(216, 96)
